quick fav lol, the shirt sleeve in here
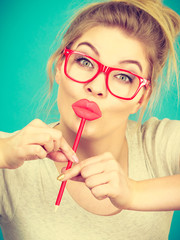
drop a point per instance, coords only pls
(161, 143)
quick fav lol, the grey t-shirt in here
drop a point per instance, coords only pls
(28, 194)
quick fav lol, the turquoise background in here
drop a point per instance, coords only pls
(27, 32)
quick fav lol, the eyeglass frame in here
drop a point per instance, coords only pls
(105, 69)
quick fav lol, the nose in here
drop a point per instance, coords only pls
(97, 87)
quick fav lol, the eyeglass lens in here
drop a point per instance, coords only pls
(121, 83)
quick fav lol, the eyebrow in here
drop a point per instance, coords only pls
(132, 62)
(121, 62)
(89, 45)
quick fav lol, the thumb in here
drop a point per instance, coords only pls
(63, 170)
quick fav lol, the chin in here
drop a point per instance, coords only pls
(92, 131)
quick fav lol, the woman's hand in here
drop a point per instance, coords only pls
(105, 178)
(36, 140)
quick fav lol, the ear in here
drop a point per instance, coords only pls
(58, 72)
(57, 75)
(143, 100)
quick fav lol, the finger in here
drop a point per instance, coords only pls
(60, 144)
(57, 156)
(97, 180)
(76, 171)
(80, 169)
(43, 139)
(77, 178)
(70, 173)
(41, 127)
(63, 170)
(92, 169)
(40, 138)
(52, 134)
(56, 145)
(67, 150)
(99, 161)
(110, 187)
(49, 147)
(96, 177)
(52, 141)
(100, 192)
(101, 166)
(32, 152)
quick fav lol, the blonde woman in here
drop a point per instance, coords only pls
(125, 179)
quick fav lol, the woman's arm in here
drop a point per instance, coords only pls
(158, 194)
(104, 177)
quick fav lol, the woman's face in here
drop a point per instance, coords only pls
(113, 48)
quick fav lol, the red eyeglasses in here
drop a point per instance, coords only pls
(120, 83)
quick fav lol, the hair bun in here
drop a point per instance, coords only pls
(173, 21)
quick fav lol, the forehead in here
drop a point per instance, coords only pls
(111, 39)
(113, 45)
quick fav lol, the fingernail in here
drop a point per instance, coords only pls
(60, 177)
(75, 158)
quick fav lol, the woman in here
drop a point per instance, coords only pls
(125, 179)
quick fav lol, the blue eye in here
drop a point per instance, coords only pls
(84, 62)
(124, 78)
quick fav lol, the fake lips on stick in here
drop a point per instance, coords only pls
(86, 110)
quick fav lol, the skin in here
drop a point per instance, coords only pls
(97, 165)
(115, 111)
(103, 175)
(99, 182)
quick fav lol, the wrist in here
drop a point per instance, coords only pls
(133, 189)
(125, 200)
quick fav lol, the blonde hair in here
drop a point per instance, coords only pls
(149, 21)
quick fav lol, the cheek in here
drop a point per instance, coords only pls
(67, 94)
(68, 87)
(114, 111)
(64, 90)
(65, 84)
(122, 108)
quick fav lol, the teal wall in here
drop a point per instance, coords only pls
(27, 31)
